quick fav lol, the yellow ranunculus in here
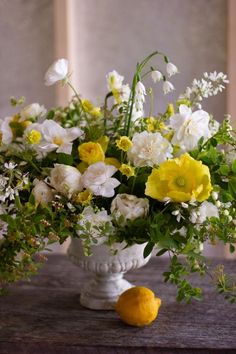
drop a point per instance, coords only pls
(180, 179)
(91, 152)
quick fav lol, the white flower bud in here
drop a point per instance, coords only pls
(218, 204)
(156, 76)
(171, 69)
(58, 71)
(215, 195)
(168, 87)
(42, 193)
(66, 180)
(130, 206)
(226, 212)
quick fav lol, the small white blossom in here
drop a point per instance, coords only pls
(171, 69)
(168, 87)
(96, 220)
(205, 211)
(156, 76)
(10, 165)
(58, 71)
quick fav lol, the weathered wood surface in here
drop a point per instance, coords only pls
(45, 317)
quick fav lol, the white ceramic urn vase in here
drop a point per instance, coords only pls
(107, 283)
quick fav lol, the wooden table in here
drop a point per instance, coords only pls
(45, 317)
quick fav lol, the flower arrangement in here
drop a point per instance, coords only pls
(110, 173)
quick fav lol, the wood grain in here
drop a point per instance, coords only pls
(44, 316)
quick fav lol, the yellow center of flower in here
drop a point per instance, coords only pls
(57, 140)
(180, 181)
(34, 137)
(124, 143)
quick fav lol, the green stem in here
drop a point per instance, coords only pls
(105, 111)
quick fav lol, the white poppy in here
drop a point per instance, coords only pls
(58, 71)
(55, 137)
(97, 178)
(189, 127)
(6, 135)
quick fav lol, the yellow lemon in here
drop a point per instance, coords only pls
(138, 306)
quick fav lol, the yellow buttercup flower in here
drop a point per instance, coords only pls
(91, 152)
(151, 124)
(127, 170)
(84, 197)
(124, 143)
(88, 107)
(34, 137)
(180, 179)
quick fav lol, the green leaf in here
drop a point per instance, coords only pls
(231, 248)
(65, 159)
(224, 170)
(161, 252)
(234, 166)
(148, 249)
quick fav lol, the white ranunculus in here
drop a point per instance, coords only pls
(114, 80)
(149, 149)
(171, 69)
(98, 219)
(42, 193)
(55, 137)
(32, 111)
(206, 210)
(189, 127)
(66, 180)
(156, 76)
(58, 71)
(97, 178)
(129, 206)
(5, 130)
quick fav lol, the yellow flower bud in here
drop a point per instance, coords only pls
(124, 143)
(84, 197)
(91, 152)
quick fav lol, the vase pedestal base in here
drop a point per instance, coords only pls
(102, 292)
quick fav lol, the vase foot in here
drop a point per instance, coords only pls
(102, 293)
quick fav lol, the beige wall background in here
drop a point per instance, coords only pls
(27, 48)
(101, 35)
